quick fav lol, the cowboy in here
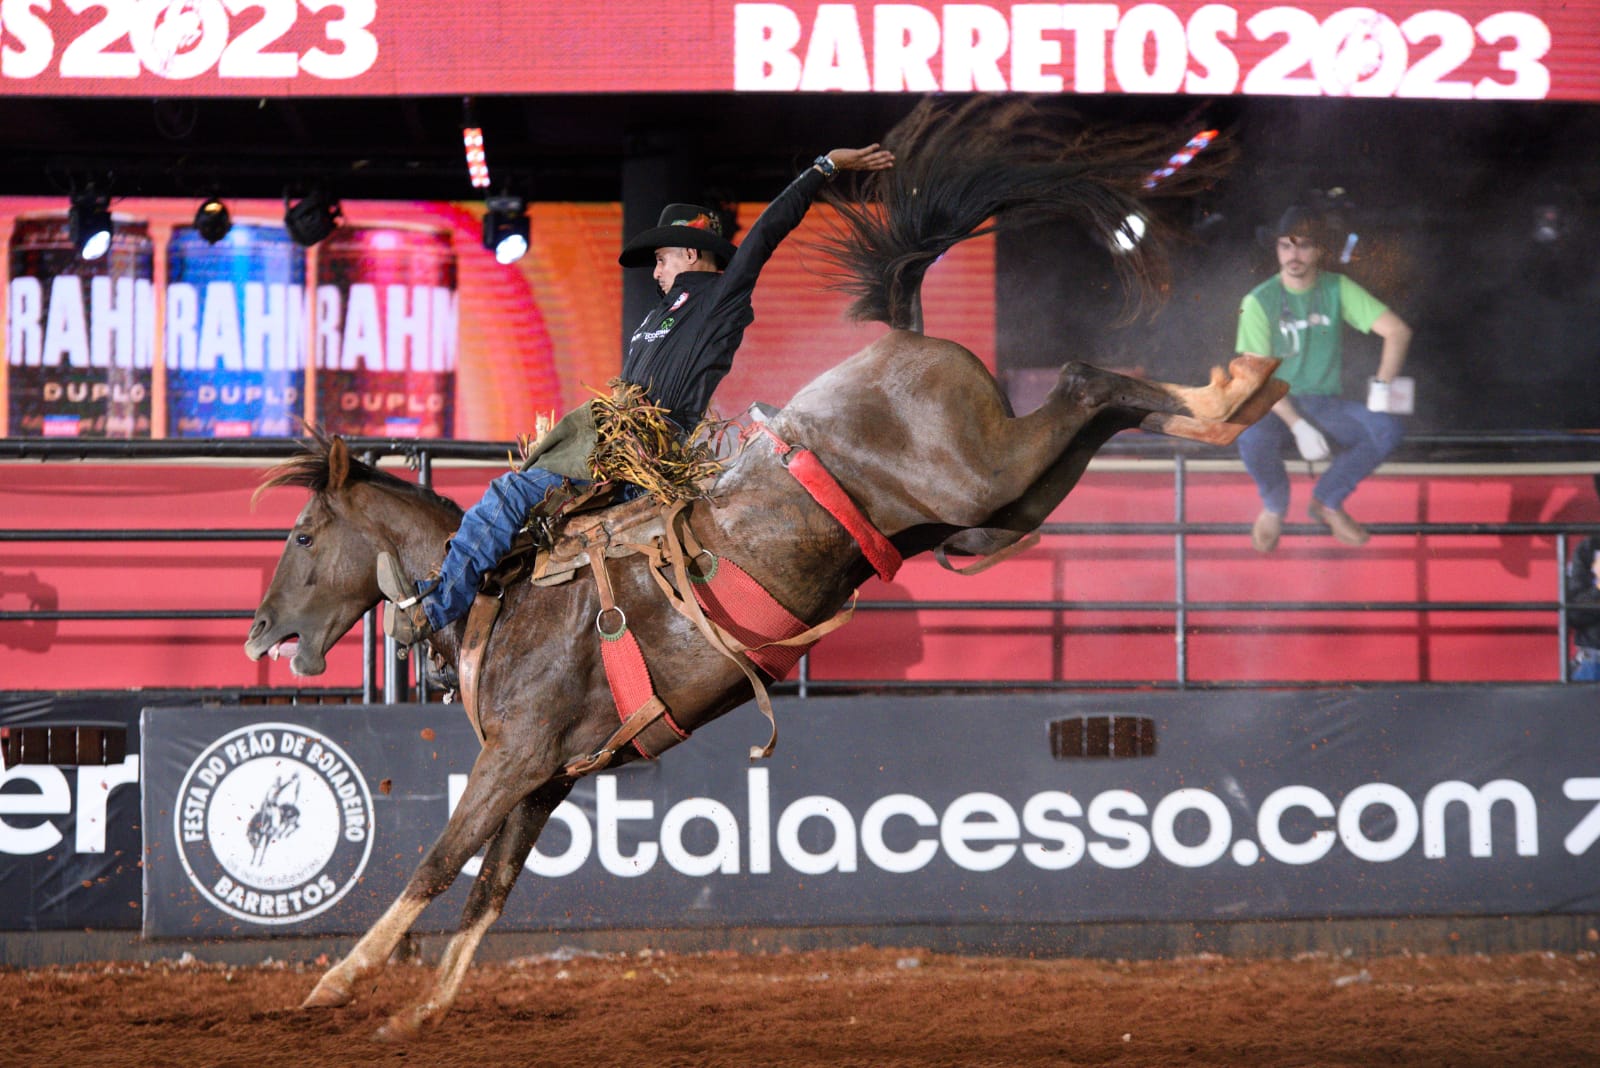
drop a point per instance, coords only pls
(1297, 316)
(678, 354)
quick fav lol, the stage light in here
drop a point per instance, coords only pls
(1126, 237)
(312, 217)
(89, 222)
(1547, 224)
(1181, 158)
(505, 228)
(477, 159)
(212, 221)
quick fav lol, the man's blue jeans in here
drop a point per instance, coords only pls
(1361, 439)
(487, 531)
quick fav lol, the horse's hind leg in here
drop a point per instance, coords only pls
(1228, 390)
(1219, 431)
(1049, 449)
(496, 784)
(501, 866)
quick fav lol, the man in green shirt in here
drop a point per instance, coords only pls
(1295, 316)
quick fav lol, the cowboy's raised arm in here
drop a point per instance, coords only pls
(787, 209)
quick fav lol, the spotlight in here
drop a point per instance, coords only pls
(89, 222)
(505, 228)
(1547, 224)
(477, 159)
(311, 218)
(1181, 158)
(1126, 238)
(472, 143)
(212, 221)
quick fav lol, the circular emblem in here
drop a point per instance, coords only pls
(274, 823)
(179, 38)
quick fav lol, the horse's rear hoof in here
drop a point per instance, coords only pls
(402, 1026)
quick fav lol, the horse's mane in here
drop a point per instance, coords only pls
(311, 468)
(968, 168)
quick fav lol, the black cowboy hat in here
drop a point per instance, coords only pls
(1296, 219)
(680, 226)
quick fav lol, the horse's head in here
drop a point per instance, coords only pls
(326, 580)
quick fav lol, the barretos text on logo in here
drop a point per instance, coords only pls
(274, 823)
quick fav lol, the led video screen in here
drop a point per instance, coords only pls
(400, 324)
(1468, 49)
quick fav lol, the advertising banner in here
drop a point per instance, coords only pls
(69, 836)
(1198, 807)
(1468, 49)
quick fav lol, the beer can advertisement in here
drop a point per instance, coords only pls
(80, 332)
(386, 330)
(235, 351)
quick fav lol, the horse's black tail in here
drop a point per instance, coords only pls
(965, 168)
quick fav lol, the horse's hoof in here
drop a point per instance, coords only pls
(401, 1027)
(327, 995)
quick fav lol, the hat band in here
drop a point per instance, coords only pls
(699, 222)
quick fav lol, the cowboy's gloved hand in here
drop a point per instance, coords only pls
(1309, 440)
(872, 158)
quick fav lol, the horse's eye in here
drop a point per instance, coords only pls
(302, 540)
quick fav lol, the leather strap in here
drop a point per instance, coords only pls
(469, 664)
(602, 757)
(689, 607)
(984, 563)
(632, 690)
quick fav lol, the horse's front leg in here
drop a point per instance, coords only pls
(496, 784)
(501, 866)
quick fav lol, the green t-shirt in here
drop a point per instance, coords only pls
(1302, 329)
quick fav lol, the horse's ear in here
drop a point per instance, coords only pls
(338, 464)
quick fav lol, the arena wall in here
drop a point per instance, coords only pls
(975, 823)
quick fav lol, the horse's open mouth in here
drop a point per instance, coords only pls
(287, 646)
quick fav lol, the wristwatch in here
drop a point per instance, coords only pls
(825, 165)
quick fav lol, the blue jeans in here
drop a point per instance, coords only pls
(1361, 440)
(1586, 666)
(487, 531)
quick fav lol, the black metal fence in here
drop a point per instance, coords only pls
(385, 674)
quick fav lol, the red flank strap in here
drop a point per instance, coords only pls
(883, 556)
(826, 491)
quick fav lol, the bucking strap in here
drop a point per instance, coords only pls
(818, 481)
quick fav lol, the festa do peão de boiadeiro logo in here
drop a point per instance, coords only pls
(274, 823)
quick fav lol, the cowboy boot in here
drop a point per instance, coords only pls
(1264, 533)
(403, 617)
(1344, 528)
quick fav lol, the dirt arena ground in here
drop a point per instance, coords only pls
(877, 1007)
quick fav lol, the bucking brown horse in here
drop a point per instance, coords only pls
(913, 430)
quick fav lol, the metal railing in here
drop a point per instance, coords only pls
(1567, 449)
